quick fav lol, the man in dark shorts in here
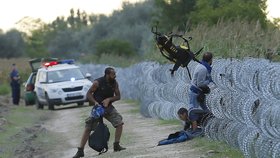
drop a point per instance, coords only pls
(104, 91)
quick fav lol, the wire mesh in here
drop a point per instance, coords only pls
(245, 99)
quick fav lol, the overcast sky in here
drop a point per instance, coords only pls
(11, 11)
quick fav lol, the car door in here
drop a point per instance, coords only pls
(36, 63)
(41, 81)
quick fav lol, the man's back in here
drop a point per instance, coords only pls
(200, 76)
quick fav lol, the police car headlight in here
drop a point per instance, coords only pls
(56, 91)
(60, 92)
(53, 90)
(86, 88)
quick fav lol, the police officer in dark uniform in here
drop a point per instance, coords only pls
(15, 84)
(104, 91)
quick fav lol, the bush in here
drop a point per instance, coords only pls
(4, 89)
(114, 47)
(111, 59)
(236, 39)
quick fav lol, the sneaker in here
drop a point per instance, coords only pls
(117, 147)
(80, 153)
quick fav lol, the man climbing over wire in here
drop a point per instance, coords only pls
(199, 85)
(181, 55)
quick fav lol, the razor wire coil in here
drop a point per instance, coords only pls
(245, 99)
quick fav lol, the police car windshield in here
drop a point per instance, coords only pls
(64, 75)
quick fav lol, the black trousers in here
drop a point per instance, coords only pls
(15, 94)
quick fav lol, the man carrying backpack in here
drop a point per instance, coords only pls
(104, 91)
(199, 85)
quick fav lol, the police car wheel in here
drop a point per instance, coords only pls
(50, 105)
(38, 104)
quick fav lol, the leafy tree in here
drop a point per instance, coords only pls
(177, 13)
(58, 24)
(64, 44)
(12, 44)
(28, 24)
(131, 24)
(115, 47)
(276, 22)
(211, 11)
(36, 44)
(173, 13)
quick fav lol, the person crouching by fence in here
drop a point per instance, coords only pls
(194, 121)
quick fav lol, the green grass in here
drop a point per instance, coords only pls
(135, 104)
(17, 119)
(132, 102)
(236, 39)
(6, 67)
(219, 149)
(169, 122)
(5, 89)
(112, 60)
(126, 138)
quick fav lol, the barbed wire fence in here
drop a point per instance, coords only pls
(245, 99)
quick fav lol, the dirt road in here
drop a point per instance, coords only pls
(140, 135)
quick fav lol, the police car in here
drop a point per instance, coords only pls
(60, 83)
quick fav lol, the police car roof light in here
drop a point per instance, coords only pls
(52, 63)
(67, 61)
(47, 64)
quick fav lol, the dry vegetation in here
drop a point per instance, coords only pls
(6, 66)
(236, 39)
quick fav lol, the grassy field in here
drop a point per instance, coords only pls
(4, 89)
(20, 123)
(232, 39)
(217, 149)
(112, 60)
(5, 69)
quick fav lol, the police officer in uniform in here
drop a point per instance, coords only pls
(15, 84)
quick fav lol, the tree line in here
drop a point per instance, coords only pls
(126, 32)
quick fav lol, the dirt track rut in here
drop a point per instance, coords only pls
(140, 135)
